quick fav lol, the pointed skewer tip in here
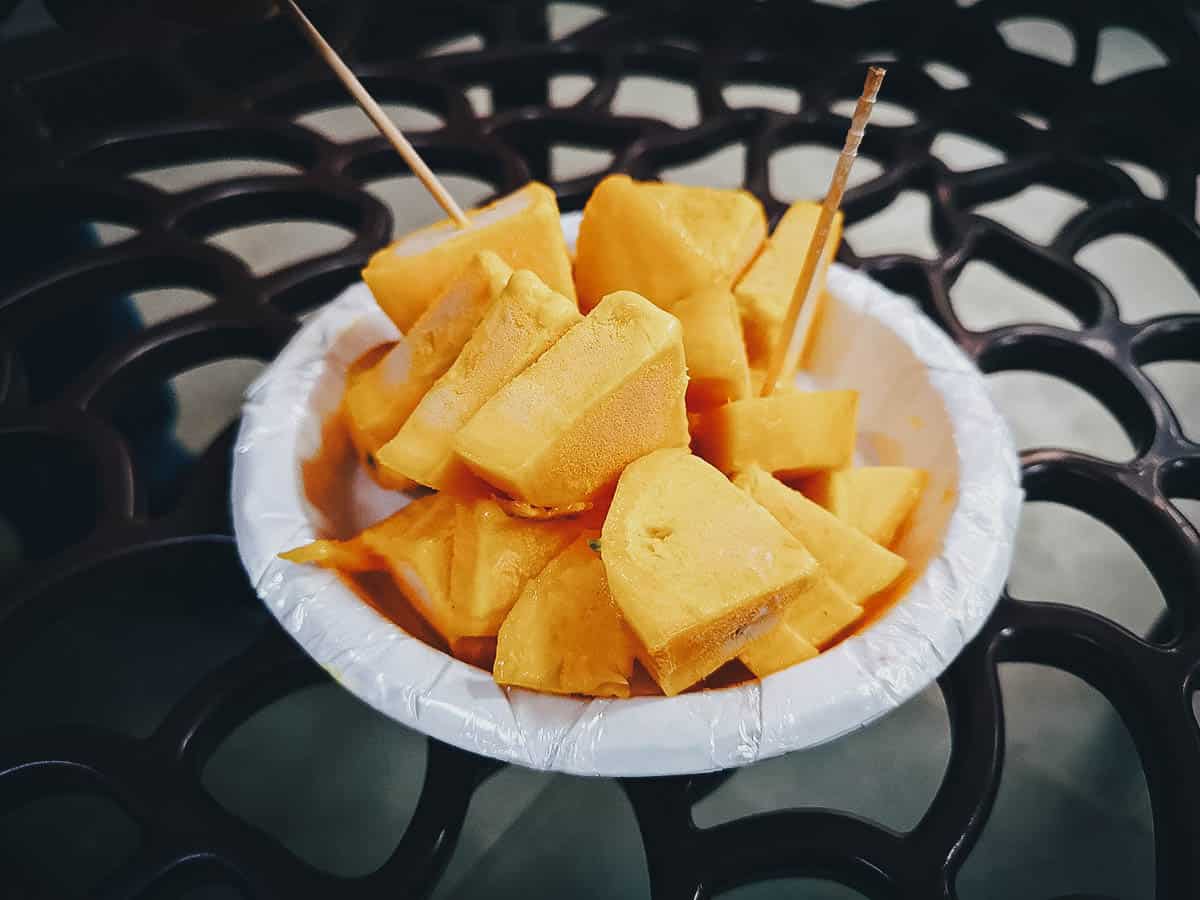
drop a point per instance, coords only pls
(874, 80)
(375, 113)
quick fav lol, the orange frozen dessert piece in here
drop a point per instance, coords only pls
(807, 625)
(696, 566)
(790, 432)
(780, 648)
(874, 499)
(494, 556)
(526, 319)
(416, 546)
(360, 446)
(345, 556)
(379, 400)
(565, 635)
(765, 291)
(609, 391)
(521, 228)
(664, 241)
(712, 343)
(861, 567)
(856, 568)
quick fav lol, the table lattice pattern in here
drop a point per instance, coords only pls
(78, 121)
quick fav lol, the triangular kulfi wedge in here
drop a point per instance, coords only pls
(363, 450)
(417, 550)
(808, 624)
(323, 474)
(380, 400)
(856, 563)
(565, 635)
(494, 556)
(765, 291)
(790, 432)
(526, 319)
(696, 566)
(780, 648)
(521, 228)
(357, 554)
(609, 391)
(345, 556)
(712, 343)
(664, 241)
(825, 612)
(854, 568)
(874, 499)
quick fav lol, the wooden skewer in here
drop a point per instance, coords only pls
(785, 353)
(377, 116)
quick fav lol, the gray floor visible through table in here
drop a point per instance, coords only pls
(336, 782)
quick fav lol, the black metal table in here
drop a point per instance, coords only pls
(76, 480)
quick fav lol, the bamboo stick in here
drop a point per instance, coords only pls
(785, 354)
(376, 114)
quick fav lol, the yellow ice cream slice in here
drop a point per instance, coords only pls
(609, 391)
(765, 291)
(874, 499)
(494, 556)
(855, 568)
(780, 648)
(357, 554)
(712, 343)
(790, 432)
(416, 545)
(856, 563)
(664, 241)
(696, 566)
(380, 399)
(526, 319)
(346, 556)
(565, 635)
(521, 228)
(825, 612)
(363, 449)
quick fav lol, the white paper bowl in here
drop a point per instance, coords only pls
(922, 403)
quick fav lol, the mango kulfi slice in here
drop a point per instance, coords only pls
(609, 391)
(696, 566)
(526, 319)
(358, 553)
(780, 648)
(323, 475)
(826, 611)
(416, 549)
(363, 449)
(790, 432)
(565, 634)
(765, 291)
(664, 241)
(381, 399)
(808, 624)
(874, 499)
(345, 556)
(521, 228)
(712, 343)
(494, 556)
(858, 565)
